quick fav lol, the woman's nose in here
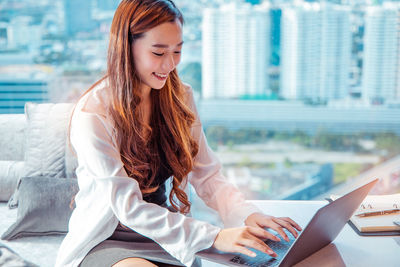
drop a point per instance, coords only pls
(169, 63)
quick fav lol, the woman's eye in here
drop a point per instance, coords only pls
(157, 54)
(177, 52)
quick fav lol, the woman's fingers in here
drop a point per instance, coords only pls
(278, 223)
(242, 238)
(287, 225)
(280, 231)
(261, 233)
(245, 251)
(254, 242)
(277, 228)
(293, 223)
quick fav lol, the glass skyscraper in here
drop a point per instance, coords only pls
(335, 51)
(316, 51)
(300, 52)
(381, 52)
(236, 49)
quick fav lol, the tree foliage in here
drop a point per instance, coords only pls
(387, 142)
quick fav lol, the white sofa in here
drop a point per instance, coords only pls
(40, 250)
(34, 144)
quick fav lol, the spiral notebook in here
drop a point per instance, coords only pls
(377, 224)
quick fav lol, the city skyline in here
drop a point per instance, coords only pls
(316, 53)
(382, 52)
(292, 50)
(290, 70)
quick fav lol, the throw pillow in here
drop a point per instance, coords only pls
(10, 172)
(46, 134)
(44, 207)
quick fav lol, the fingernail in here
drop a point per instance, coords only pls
(271, 253)
(277, 238)
(253, 254)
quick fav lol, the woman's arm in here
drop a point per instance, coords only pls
(210, 184)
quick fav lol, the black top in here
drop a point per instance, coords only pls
(164, 172)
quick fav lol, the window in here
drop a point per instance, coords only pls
(296, 97)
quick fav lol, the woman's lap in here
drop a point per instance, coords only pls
(110, 252)
(126, 243)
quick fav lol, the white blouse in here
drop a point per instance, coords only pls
(108, 196)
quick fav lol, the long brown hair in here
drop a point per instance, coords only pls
(171, 118)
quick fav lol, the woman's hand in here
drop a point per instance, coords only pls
(252, 235)
(262, 221)
(237, 239)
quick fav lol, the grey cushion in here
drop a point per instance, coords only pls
(44, 207)
(9, 258)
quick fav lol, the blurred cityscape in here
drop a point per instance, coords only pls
(296, 97)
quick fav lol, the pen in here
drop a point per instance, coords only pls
(377, 213)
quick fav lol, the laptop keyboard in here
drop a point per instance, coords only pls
(263, 259)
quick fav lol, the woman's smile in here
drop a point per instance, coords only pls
(159, 76)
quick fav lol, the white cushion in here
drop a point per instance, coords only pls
(12, 139)
(46, 135)
(10, 173)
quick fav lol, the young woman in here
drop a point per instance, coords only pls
(133, 130)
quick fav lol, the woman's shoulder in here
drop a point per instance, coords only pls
(90, 117)
(190, 101)
(96, 101)
(188, 94)
(187, 89)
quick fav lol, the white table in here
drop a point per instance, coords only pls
(348, 249)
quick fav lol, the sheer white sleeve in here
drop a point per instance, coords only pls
(209, 182)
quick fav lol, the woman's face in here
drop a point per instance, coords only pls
(157, 53)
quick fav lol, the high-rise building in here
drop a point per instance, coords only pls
(381, 52)
(335, 51)
(316, 51)
(300, 51)
(236, 49)
(22, 33)
(78, 16)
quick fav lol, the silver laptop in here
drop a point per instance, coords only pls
(322, 229)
